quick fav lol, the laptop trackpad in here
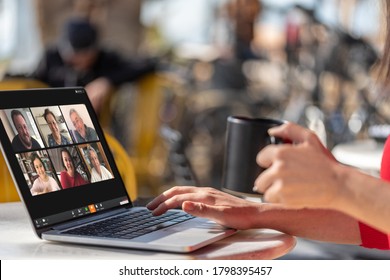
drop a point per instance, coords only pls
(192, 232)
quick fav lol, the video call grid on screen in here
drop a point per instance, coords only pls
(30, 131)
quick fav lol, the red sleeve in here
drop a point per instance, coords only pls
(372, 238)
(385, 166)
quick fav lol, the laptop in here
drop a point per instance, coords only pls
(70, 185)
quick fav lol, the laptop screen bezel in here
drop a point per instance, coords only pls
(29, 98)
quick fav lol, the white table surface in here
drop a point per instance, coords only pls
(18, 241)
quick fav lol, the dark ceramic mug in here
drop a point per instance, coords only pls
(245, 138)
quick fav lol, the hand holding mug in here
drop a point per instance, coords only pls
(304, 174)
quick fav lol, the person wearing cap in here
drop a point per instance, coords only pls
(79, 60)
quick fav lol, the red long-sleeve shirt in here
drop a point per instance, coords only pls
(372, 238)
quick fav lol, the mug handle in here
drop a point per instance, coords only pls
(276, 140)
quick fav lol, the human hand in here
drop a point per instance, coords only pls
(302, 174)
(210, 203)
(98, 91)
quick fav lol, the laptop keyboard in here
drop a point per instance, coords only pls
(130, 225)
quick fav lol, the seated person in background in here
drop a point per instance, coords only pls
(78, 60)
(55, 138)
(70, 177)
(83, 133)
(44, 183)
(98, 172)
(23, 140)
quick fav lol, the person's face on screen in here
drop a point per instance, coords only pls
(23, 133)
(78, 123)
(40, 169)
(67, 161)
(52, 122)
(94, 160)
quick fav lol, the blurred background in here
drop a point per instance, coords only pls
(307, 61)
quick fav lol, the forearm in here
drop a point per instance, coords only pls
(366, 198)
(316, 224)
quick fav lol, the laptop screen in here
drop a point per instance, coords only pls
(58, 155)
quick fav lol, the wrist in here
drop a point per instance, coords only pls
(346, 179)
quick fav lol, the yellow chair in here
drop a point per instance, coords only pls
(124, 164)
(8, 191)
(146, 147)
(20, 83)
(145, 132)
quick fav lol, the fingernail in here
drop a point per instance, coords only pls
(272, 129)
(254, 189)
(150, 206)
(154, 213)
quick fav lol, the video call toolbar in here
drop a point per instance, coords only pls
(79, 212)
